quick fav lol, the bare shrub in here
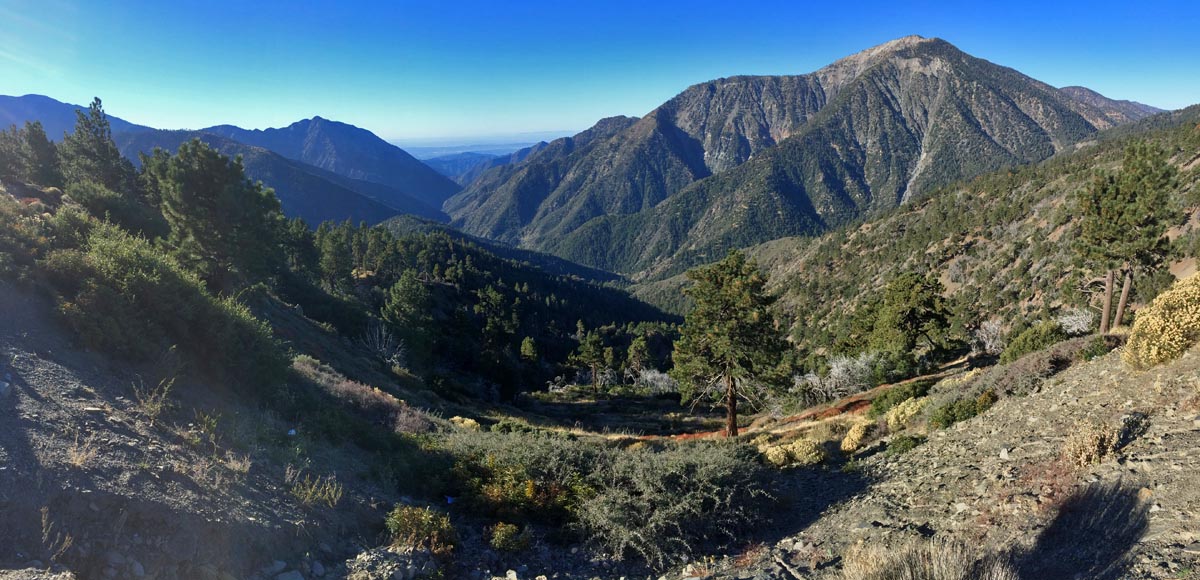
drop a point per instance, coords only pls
(380, 341)
(989, 338)
(846, 376)
(924, 560)
(655, 382)
(1077, 321)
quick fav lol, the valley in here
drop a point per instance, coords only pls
(913, 314)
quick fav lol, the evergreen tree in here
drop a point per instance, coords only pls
(336, 263)
(1123, 219)
(223, 226)
(40, 155)
(730, 344)
(407, 309)
(89, 153)
(529, 351)
(11, 166)
(910, 309)
(639, 354)
(590, 355)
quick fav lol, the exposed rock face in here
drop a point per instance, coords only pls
(748, 159)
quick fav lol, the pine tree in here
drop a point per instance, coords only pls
(89, 153)
(590, 355)
(1123, 219)
(407, 309)
(40, 156)
(223, 226)
(730, 347)
(910, 309)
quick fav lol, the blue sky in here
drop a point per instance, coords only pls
(463, 70)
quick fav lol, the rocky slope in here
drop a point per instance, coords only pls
(789, 155)
(998, 482)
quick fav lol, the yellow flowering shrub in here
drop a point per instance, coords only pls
(857, 436)
(1166, 328)
(901, 415)
(798, 452)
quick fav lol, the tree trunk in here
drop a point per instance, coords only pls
(1125, 287)
(1108, 290)
(731, 429)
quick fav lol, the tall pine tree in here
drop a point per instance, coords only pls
(223, 226)
(1123, 219)
(730, 347)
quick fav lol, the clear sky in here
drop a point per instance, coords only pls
(466, 69)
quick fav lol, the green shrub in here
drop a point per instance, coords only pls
(124, 210)
(1034, 338)
(421, 528)
(658, 505)
(123, 296)
(519, 477)
(508, 538)
(663, 506)
(22, 238)
(962, 409)
(902, 444)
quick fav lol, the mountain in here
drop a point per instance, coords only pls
(999, 242)
(743, 160)
(304, 191)
(351, 152)
(465, 168)
(458, 165)
(56, 117)
(1117, 112)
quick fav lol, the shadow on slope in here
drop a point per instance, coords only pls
(1091, 537)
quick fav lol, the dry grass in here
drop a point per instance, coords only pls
(924, 560)
(152, 401)
(55, 542)
(82, 452)
(310, 491)
(1090, 444)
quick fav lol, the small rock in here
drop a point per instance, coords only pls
(114, 558)
(136, 568)
(290, 575)
(318, 569)
(274, 567)
(1004, 453)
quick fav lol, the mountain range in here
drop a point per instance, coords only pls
(743, 160)
(725, 164)
(321, 170)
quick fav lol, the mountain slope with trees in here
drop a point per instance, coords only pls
(305, 191)
(786, 155)
(1003, 245)
(351, 152)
